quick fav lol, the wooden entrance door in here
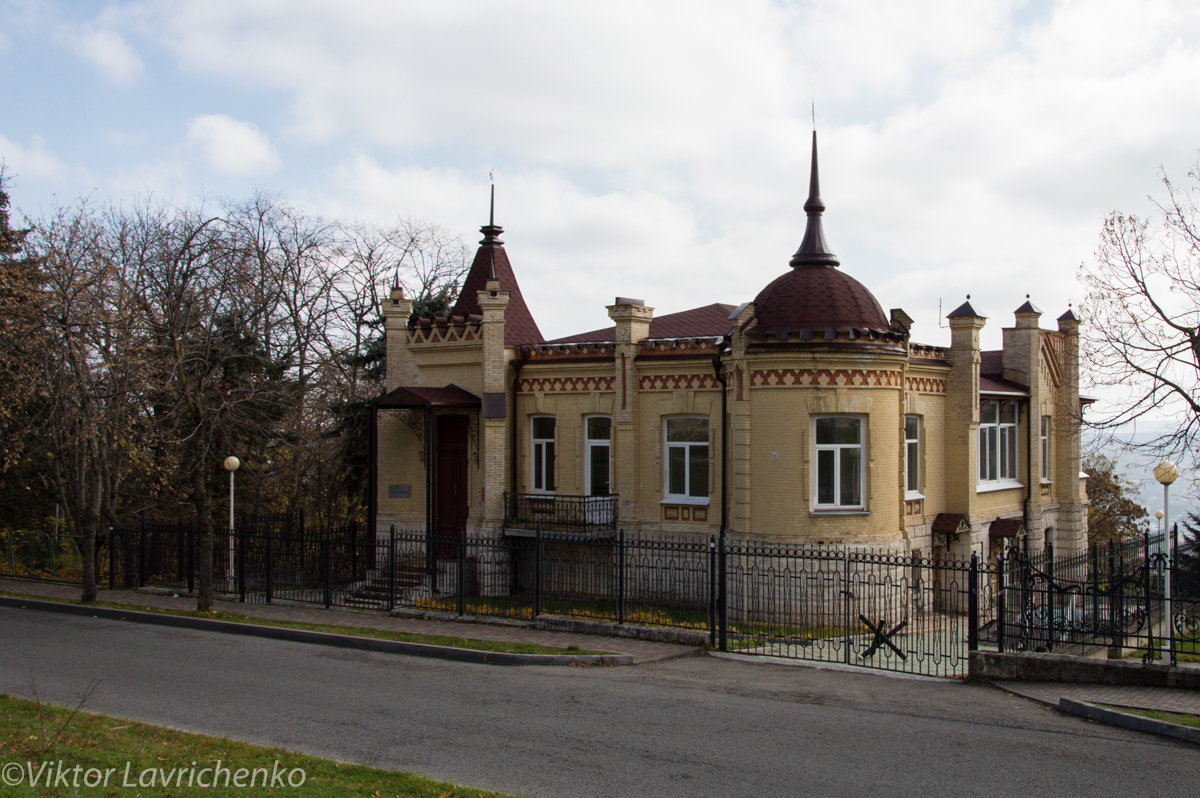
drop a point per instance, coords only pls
(450, 485)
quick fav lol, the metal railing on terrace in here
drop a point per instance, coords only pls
(551, 512)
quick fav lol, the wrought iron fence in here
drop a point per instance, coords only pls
(877, 609)
(1113, 597)
(51, 556)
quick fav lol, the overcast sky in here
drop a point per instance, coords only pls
(656, 150)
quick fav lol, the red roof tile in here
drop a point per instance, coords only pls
(708, 321)
(1006, 527)
(490, 258)
(817, 297)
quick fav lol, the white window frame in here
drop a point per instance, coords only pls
(912, 458)
(541, 453)
(1045, 436)
(686, 446)
(838, 452)
(588, 444)
(999, 448)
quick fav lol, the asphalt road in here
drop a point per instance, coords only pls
(688, 727)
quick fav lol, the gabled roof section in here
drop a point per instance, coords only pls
(991, 361)
(491, 263)
(709, 321)
(991, 379)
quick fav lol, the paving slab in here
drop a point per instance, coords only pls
(1163, 699)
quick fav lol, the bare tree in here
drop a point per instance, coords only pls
(1141, 335)
(93, 367)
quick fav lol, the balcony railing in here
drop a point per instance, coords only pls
(595, 516)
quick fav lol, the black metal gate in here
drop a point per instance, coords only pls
(878, 610)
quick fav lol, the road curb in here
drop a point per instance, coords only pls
(1127, 720)
(319, 638)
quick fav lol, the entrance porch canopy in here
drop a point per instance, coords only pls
(419, 396)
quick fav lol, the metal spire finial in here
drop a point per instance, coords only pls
(813, 250)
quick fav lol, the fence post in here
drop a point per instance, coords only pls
(391, 561)
(1000, 620)
(846, 603)
(1148, 598)
(141, 575)
(460, 543)
(180, 543)
(973, 605)
(537, 570)
(239, 538)
(353, 549)
(1116, 600)
(712, 592)
(191, 549)
(621, 577)
(113, 534)
(1168, 589)
(1050, 597)
(270, 566)
(327, 565)
(722, 594)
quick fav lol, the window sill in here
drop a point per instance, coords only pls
(687, 500)
(913, 495)
(992, 487)
(838, 511)
(1047, 482)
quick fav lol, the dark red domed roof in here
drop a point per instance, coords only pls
(817, 297)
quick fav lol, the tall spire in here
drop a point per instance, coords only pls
(813, 250)
(491, 233)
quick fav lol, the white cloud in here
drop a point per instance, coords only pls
(107, 51)
(661, 150)
(33, 162)
(232, 147)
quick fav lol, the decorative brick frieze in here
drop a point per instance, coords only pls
(566, 384)
(447, 334)
(924, 385)
(675, 382)
(833, 378)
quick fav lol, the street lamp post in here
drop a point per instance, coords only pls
(1167, 472)
(231, 464)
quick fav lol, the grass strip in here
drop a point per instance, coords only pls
(76, 752)
(1178, 718)
(449, 641)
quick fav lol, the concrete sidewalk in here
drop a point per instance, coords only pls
(640, 651)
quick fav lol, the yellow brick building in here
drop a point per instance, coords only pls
(807, 415)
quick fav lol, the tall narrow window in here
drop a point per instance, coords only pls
(839, 458)
(1046, 448)
(997, 441)
(542, 454)
(912, 454)
(599, 455)
(687, 458)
